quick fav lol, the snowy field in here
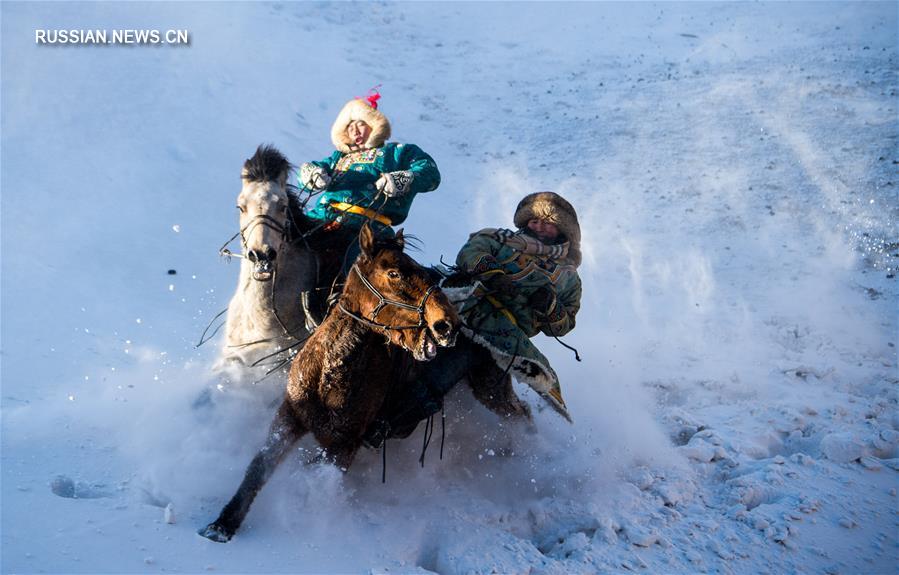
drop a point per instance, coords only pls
(734, 166)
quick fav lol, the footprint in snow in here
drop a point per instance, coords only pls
(64, 486)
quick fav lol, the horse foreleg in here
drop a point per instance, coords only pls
(284, 433)
(493, 388)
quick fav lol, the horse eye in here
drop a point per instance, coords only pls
(242, 209)
(393, 274)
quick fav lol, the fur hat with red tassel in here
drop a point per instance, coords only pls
(553, 208)
(365, 109)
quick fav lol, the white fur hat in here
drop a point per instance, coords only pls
(552, 207)
(364, 109)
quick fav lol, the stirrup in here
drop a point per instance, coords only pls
(310, 322)
(377, 433)
(332, 298)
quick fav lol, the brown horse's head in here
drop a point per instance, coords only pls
(403, 299)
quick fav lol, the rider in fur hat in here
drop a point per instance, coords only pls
(526, 282)
(367, 179)
(516, 284)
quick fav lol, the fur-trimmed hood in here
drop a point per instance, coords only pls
(552, 207)
(359, 109)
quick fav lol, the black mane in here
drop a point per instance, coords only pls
(267, 164)
(409, 240)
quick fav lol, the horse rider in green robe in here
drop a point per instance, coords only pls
(511, 285)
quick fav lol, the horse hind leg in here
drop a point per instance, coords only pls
(499, 397)
(493, 388)
(283, 434)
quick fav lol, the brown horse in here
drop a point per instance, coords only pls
(339, 380)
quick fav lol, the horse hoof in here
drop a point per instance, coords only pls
(215, 532)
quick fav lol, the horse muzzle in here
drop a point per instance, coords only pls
(426, 350)
(263, 270)
(263, 264)
(444, 332)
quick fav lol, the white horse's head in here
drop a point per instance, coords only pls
(264, 210)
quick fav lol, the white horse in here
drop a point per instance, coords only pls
(266, 315)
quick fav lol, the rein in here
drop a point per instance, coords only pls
(384, 302)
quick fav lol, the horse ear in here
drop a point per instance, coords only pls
(400, 240)
(367, 240)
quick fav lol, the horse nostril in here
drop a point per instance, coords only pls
(271, 254)
(252, 256)
(442, 328)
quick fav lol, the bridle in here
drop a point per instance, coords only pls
(383, 302)
(257, 220)
(287, 233)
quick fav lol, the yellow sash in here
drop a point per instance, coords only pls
(359, 210)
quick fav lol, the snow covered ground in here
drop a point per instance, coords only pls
(734, 166)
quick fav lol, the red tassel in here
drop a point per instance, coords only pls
(373, 97)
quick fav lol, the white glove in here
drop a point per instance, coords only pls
(395, 184)
(314, 177)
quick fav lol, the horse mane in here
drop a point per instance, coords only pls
(413, 243)
(391, 243)
(388, 243)
(267, 164)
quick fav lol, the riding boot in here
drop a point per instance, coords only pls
(377, 433)
(318, 301)
(402, 422)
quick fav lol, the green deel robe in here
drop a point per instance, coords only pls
(353, 182)
(505, 326)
